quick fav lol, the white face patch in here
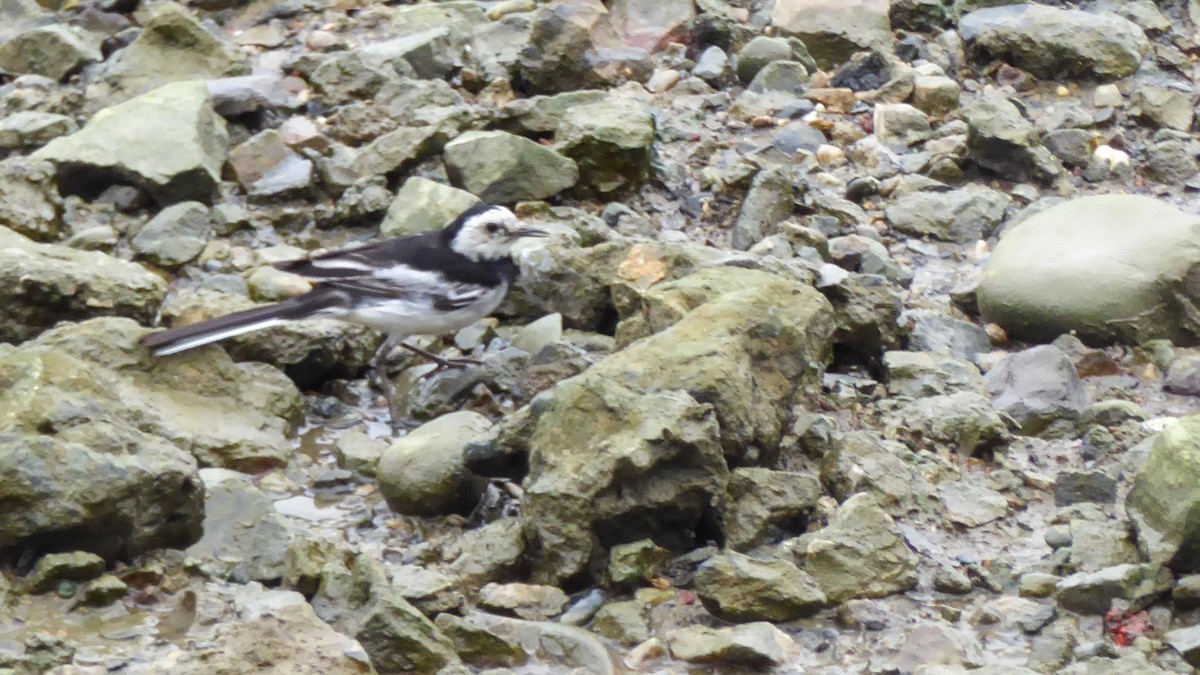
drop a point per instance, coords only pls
(487, 235)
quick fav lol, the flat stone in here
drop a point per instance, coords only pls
(502, 168)
(970, 504)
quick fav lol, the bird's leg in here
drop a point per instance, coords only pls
(442, 362)
(379, 376)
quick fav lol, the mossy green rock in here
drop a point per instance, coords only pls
(1164, 503)
(1110, 268)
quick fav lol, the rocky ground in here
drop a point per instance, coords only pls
(865, 340)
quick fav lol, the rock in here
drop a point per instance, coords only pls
(55, 52)
(265, 167)
(1163, 106)
(1097, 543)
(1183, 377)
(573, 487)
(971, 505)
(29, 204)
(244, 537)
(359, 452)
(762, 504)
(964, 422)
(833, 31)
(1067, 270)
(1037, 584)
(1186, 641)
(935, 94)
(103, 591)
(780, 77)
(396, 152)
(1038, 388)
(55, 567)
(289, 638)
(423, 473)
(358, 599)
(1072, 147)
(712, 66)
(172, 47)
(754, 645)
(169, 142)
(116, 469)
(528, 601)
(1093, 592)
(1054, 43)
(538, 115)
(920, 374)
(738, 588)
(573, 45)
(491, 553)
(47, 283)
(630, 564)
(30, 129)
(559, 647)
(770, 201)
(860, 554)
(422, 205)
(1171, 157)
(868, 311)
(1075, 487)
(952, 581)
(863, 461)
(477, 645)
(611, 143)
(963, 216)
(622, 622)
(1161, 500)
(933, 332)
(757, 53)
(937, 643)
(1001, 140)
(900, 125)
(501, 168)
(234, 96)
(175, 236)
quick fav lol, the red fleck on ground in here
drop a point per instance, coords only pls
(1125, 627)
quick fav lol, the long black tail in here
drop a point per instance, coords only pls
(182, 338)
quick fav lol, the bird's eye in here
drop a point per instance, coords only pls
(493, 228)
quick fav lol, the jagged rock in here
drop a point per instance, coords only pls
(919, 374)
(573, 45)
(422, 205)
(964, 422)
(172, 47)
(763, 503)
(528, 601)
(175, 236)
(738, 588)
(1162, 499)
(769, 202)
(963, 216)
(573, 495)
(1001, 140)
(1067, 270)
(30, 129)
(477, 645)
(56, 567)
(244, 537)
(636, 563)
(501, 168)
(860, 554)
(611, 142)
(29, 205)
(863, 461)
(47, 283)
(169, 141)
(105, 440)
(1052, 43)
(1093, 592)
(1039, 388)
(622, 622)
(755, 645)
(834, 31)
(52, 51)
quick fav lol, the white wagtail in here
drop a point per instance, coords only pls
(425, 284)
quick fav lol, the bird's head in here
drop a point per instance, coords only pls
(487, 232)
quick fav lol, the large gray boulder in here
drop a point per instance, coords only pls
(100, 443)
(43, 284)
(635, 446)
(1054, 43)
(169, 141)
(1110, 268)
(1165, 500)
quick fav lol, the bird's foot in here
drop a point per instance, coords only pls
(447, 364)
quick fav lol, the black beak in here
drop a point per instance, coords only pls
(529, 232)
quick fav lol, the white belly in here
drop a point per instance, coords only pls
(409, 317)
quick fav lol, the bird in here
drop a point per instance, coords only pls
(431, 283)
